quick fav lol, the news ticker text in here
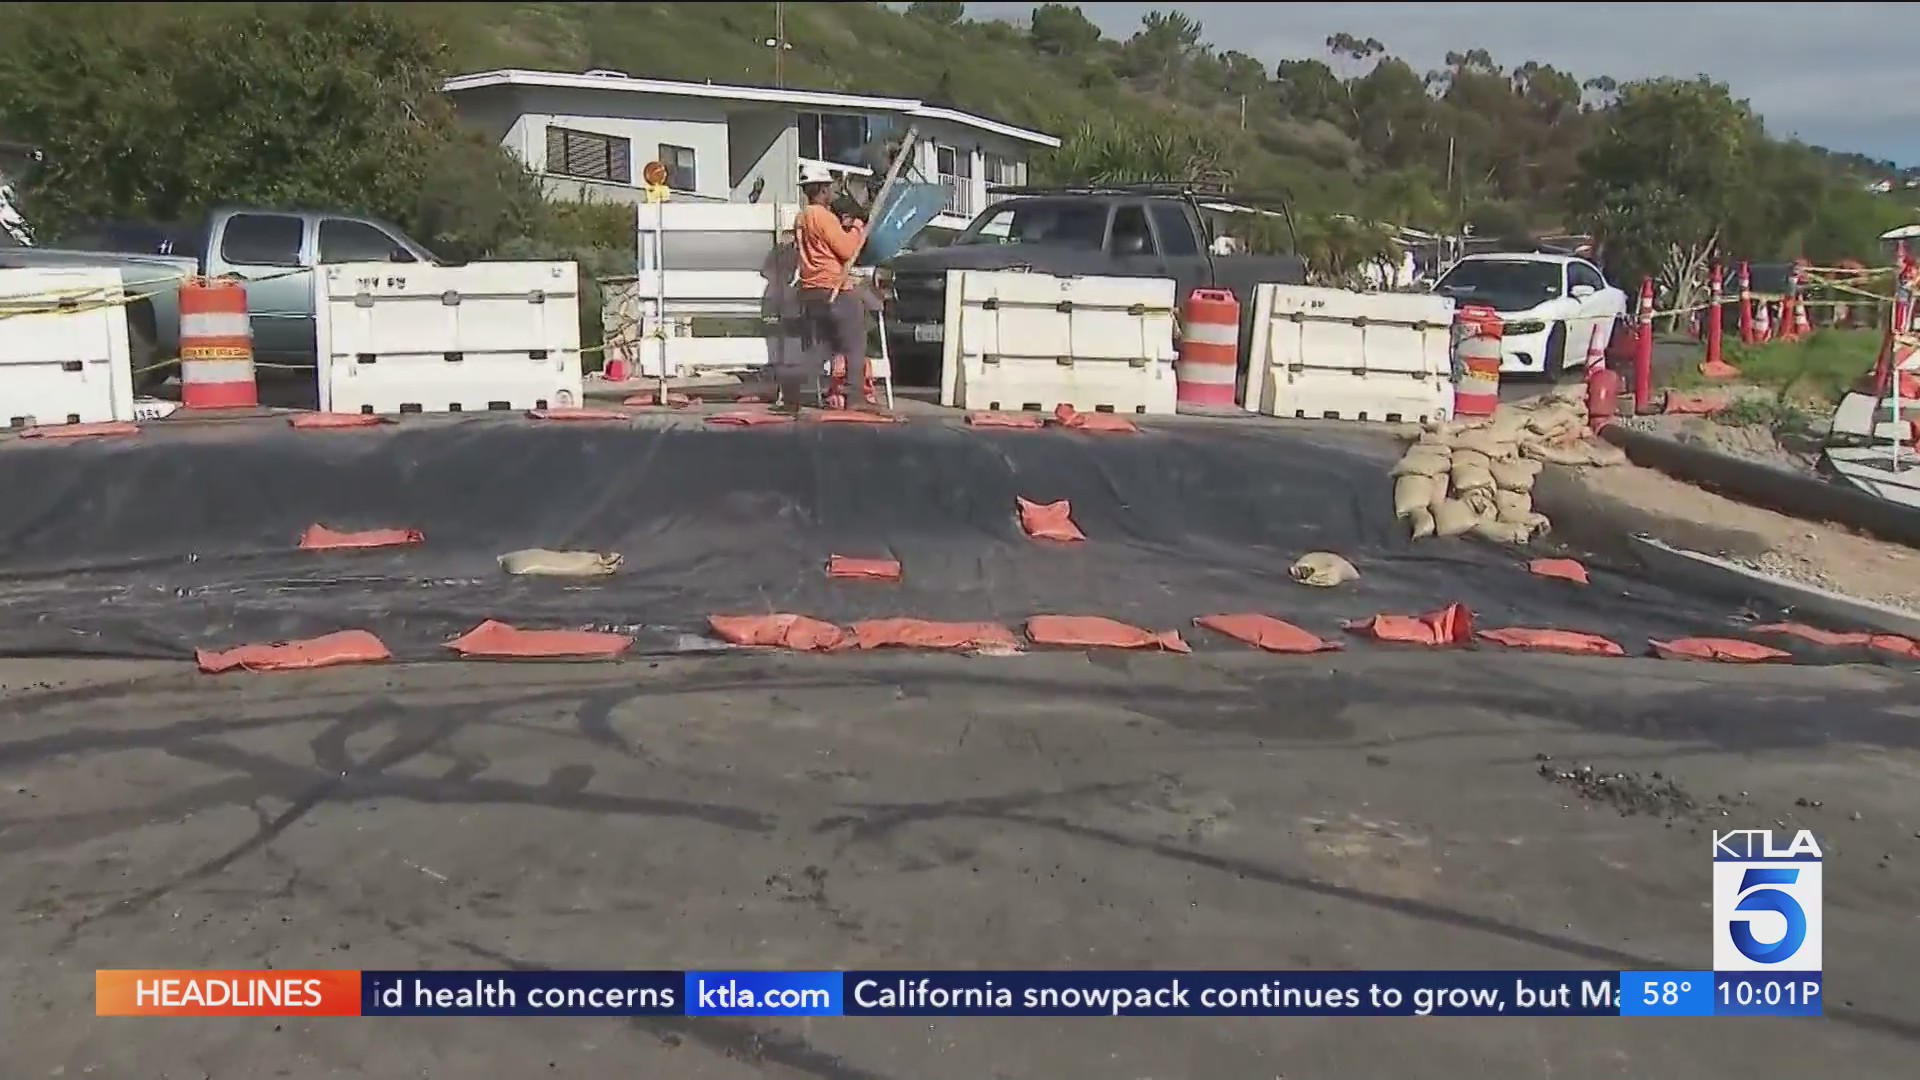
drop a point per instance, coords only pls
(956, 993)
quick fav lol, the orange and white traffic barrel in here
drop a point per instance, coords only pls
(1209, 363)
(216, 346)
(1477, 347)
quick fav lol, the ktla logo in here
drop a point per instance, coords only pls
(1766, 902)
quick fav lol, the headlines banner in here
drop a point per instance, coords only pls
(954, 993)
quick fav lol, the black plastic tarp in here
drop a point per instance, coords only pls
(182, 539)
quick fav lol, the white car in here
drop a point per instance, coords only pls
(1551, 307)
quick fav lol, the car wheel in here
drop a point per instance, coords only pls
(1555, 365)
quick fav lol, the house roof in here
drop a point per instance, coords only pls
(614, 82)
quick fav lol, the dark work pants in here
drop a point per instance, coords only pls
(835, 326)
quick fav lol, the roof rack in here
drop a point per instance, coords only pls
(1202, 189)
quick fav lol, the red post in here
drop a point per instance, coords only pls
(1643, 351)
(1746, 305)
(1716, 283)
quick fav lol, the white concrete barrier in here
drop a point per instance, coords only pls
(63, 347)
(402, 338)
(1320, 353)
(1030, 342)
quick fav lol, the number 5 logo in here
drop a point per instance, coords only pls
(1757, 895)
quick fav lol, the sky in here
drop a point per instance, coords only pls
(1843, 75)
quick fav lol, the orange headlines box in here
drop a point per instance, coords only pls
(226, 993)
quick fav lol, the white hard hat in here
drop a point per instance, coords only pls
(812, 172)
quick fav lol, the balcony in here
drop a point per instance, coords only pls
(960, 196)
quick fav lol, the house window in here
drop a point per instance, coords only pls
(587, 155)
(837, 137)
(954, 167)
(1002, 172)
(679, 162)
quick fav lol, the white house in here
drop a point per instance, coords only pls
(593, 133)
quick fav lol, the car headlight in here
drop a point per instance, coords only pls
(1524, 326)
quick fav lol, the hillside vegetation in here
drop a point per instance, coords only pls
(164, 109)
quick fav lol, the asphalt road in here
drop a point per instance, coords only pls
(1375, 810)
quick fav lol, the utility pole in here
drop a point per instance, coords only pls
(780, 45)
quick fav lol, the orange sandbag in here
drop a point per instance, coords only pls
(577, 414)
(848, 568)
(105, 429)
(749, 418)
(1718, 369)
(1451, 625)
(928, 634)
(1026, 421)
(1563, 569)
(1904, 647)
(1683, 404)
(1049, 521)
(1544, 640)
(327, 421)
(497, 641)
(649, 398)
(328, 650)
(1720, 650)
(844, 416)
(1094, 631)
(1266, 632)
(1067, 416)
(1830, 638)
(321, 538)
(779, 631)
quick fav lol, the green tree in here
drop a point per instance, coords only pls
(1662, 183)
(326, 105)
(1062, 30)
(940, 14)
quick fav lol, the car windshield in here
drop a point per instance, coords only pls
(1504, 285)
(1059, 223)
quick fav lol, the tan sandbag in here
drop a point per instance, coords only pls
(1512, 505)
(1584, 453)
(1471, 457)
(1324, 569)
(1441, 438)
(539, 562)
(1516, 475)
(1503, 532)
(1423, 461)
(1421, 524)
(1454, 518)
(1412, 492)
(1573, 397)
(1470, 477)
(1554, 420)
(1482, 503)
(1486, 442)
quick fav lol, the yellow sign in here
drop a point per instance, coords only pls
(657, 193)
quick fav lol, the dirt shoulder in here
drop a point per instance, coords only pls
(1815, 553)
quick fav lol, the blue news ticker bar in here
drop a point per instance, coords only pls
(990, 993)
(1088, 993)
(1666, 993)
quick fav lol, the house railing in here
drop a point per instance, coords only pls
(960, 197)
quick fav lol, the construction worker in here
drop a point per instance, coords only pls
(829, 304)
